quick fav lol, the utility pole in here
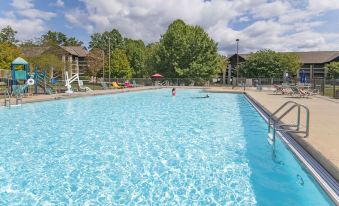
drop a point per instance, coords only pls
(109, 58)
(103, 65)
(237, 40)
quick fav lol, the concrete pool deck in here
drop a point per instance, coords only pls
(322, 144)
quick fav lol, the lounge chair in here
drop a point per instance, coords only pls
(104, 85)
(135, 84)
(128, 85)
(115, 85)
(298, 92)
(83, 88)
(278, 89)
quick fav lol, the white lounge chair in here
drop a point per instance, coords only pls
(83, 88)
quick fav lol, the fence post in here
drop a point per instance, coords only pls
(333, 82)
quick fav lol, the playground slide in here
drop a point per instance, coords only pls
(40, 81)
(19, 89)
(48, 89)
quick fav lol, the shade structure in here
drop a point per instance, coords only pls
(157, 75)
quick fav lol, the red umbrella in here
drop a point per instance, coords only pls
(157, 75)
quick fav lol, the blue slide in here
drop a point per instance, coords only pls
(19, 89)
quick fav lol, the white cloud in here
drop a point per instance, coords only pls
(35, 13)
(27, 28)
(59, 3)
(279, 25)
(22, 4)
(323, 5)
(26, 19)
(275, 24)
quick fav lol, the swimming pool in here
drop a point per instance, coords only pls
(147, 148)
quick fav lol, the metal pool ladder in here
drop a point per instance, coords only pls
(273, 122)
(7, 99)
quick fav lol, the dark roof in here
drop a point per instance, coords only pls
(311, 57)
(317, 57)
(39, 50)
(75, 50)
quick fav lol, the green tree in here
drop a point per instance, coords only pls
(136, 53)
(7, 35)
(120, 65)
(58, 38)
(187, 51)
(8, 52)
(95, 62)
(268, 64)
(333, 70)
(151, 59)
(72, 41)
(46, 61)
(103, 40)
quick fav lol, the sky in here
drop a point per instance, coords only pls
(280, 25)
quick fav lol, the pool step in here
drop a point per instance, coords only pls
(270, 138)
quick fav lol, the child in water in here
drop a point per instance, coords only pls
(173, 92)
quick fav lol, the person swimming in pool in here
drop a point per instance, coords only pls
(207, 96)
(174, 92)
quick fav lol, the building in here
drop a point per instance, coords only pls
(313, 62)
(74, 57)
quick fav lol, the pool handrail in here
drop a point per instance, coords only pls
(297, 126)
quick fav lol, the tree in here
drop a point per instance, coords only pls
(8, 52)
(72, 41)
(101, 41)
(120, 65)
(95, 60)
(46, 61)
(136, 53)
(7, 35)
(187, 51)
(58, 38)
(333, 69)
(268, 64)
(151, 59)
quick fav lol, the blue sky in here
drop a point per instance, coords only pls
(282, 25)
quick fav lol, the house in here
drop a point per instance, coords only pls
(74, 57)
(313, 62)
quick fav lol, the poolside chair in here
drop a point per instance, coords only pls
(116, 86)
(278, 89)
(134, 83)
(104, 85)
(298, 92)
(83, 88)
(128, 85)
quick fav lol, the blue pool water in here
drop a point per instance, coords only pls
(147, 148)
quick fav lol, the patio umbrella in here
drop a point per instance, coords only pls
(302, 77)
(157, 75)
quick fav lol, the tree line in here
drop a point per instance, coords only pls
(183, 51)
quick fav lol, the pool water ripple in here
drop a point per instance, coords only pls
(145, 148)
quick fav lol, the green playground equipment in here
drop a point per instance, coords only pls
(19, 70)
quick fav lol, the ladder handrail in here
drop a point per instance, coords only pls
(294, 105)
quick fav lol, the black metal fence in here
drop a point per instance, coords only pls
(326, 87)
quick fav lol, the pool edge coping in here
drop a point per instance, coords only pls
(320, 173)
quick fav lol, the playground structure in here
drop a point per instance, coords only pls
(20, 73)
